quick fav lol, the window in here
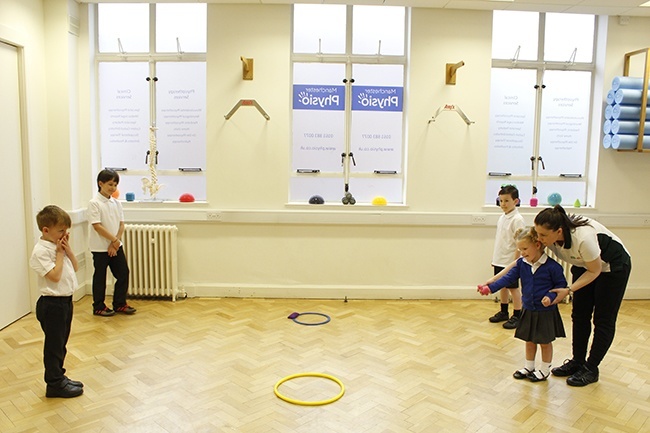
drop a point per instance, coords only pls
(542, 74)
(349, 64)
(152, 97)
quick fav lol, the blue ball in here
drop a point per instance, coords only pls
(316, 199)
(554, 198)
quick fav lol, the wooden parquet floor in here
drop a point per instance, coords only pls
(210, 365)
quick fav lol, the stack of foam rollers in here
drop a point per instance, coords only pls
(623, 114)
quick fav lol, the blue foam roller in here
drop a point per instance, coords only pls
(607, 126)
(627, 83)
(628, 127)
(628, 112)
(628, 142)
(609, 109)
(607, 141)
(629, 97)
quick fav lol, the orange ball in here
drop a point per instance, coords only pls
(116, 194)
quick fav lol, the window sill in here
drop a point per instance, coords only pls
(339, 205)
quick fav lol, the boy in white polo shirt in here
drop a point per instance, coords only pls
(505, 252)
(106, 218)
(55, 263)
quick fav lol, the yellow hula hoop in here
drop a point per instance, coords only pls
(309, 403)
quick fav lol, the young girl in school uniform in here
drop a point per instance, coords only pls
(540, 322)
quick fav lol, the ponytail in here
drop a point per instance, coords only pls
(556, 218)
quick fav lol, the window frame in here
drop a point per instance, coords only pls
(152, 58)
(349, 59)
(540, 66)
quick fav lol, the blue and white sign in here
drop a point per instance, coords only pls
(377, 98)
(318, 97)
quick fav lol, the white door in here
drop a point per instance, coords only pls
(14, 266)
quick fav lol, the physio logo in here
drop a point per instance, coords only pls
(376, 98)
(318, 97)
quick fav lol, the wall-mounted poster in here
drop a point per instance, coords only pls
(377, 118)
(318, 116)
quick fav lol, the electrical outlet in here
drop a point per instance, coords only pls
(646, 222)
(478, 220)
(214, 216)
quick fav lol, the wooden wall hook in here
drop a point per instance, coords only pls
(247, 68)
(450, 72)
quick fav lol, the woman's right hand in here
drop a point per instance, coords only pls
(561, 294)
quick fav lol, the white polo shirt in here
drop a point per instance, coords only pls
(591, 242)
(42, 261)
(504, 244)
(108, 212)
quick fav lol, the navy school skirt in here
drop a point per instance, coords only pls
(540, 327)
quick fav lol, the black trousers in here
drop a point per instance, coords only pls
(55, 315)
(600, 300)
(119, 269)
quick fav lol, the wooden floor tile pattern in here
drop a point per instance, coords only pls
(210, 365)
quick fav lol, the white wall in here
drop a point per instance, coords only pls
(623, 176)
(47, 121)
(428, 249)
(248, 157)
(447, 158)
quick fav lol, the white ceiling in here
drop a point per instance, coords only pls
(596, 7)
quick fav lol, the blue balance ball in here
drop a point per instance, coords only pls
(554, 198)
(316, 199)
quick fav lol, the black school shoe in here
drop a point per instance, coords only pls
(538, 376)
(569, 368)
(522, 374)
(67, 391)
(511, 323)
(73, 382)
(501, 316)
(583, 377)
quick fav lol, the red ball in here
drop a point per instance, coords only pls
(186, 198)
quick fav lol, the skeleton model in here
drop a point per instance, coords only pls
(151, 185)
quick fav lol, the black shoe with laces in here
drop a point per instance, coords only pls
(73, 382)
(126, 309)
(66, 391)
(569, 368)
(501, 316)
(105, 312)
(511, 323)
(583, 377)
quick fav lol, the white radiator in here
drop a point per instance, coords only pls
(152, 258)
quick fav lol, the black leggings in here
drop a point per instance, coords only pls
(600, 299)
